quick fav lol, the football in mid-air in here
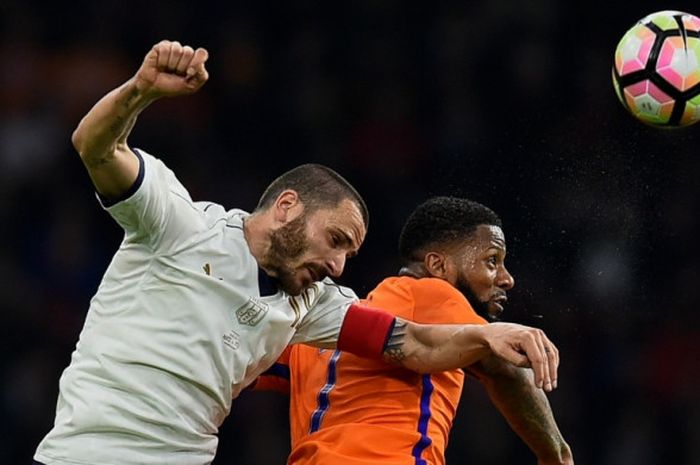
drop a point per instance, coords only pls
(656, 73)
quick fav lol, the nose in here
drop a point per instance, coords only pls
(336, 264)
(505, 279)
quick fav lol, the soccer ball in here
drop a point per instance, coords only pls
(656, 73)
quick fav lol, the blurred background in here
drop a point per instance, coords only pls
(505, 102)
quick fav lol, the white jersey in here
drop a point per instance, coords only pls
(182, 321)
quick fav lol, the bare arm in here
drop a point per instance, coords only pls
(168, 69)
(525, 408)
(434, 348)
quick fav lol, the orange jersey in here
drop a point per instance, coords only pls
(348, 410)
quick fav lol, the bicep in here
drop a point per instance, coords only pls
(114, 174)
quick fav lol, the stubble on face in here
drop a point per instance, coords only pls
(287, 245)
(482, 308)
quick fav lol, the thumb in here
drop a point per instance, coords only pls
(196, 65)
(196, 72)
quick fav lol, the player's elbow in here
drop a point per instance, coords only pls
(81, 141)
(77, 139)
(93, 150)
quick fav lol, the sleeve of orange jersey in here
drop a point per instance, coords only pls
(436, 301)
(275, 378)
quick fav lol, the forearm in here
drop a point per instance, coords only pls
(426, 348)
(525, 408)
(435, 348)
(103, 131)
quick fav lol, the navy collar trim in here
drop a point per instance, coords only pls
(266, 284)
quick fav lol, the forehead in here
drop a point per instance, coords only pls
(345, 217)
(486, 237)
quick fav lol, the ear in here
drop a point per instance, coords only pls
(287, 206)
(436, 264)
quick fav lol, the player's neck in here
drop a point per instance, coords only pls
(255, 233)
(414, 270)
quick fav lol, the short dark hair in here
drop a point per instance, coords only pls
(441, 221)
(318, 187)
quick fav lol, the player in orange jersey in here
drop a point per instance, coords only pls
(353, 411)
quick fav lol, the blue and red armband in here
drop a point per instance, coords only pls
(365, 331)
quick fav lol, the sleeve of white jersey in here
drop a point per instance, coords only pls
(320, 327)
(157, 210)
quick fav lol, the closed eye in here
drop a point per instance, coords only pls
(340, 240)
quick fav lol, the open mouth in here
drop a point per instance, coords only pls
(500, 302)
(316, 273)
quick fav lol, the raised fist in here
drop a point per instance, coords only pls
(171, 69)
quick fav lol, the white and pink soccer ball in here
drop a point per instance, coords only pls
(657, 69)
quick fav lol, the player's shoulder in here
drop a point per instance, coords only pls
(433, 300)
(417, 288)
(434, 286)
(393, 285)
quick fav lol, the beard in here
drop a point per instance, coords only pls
(287, 244)
(479, 306)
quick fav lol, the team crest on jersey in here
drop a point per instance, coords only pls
(252, 312)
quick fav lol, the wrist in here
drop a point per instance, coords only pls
(138, 94)
(483, 334)
(476, 337)
(562, 456)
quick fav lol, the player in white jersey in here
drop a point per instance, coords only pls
(198, 301)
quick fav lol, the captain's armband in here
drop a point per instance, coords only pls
(366, 331)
